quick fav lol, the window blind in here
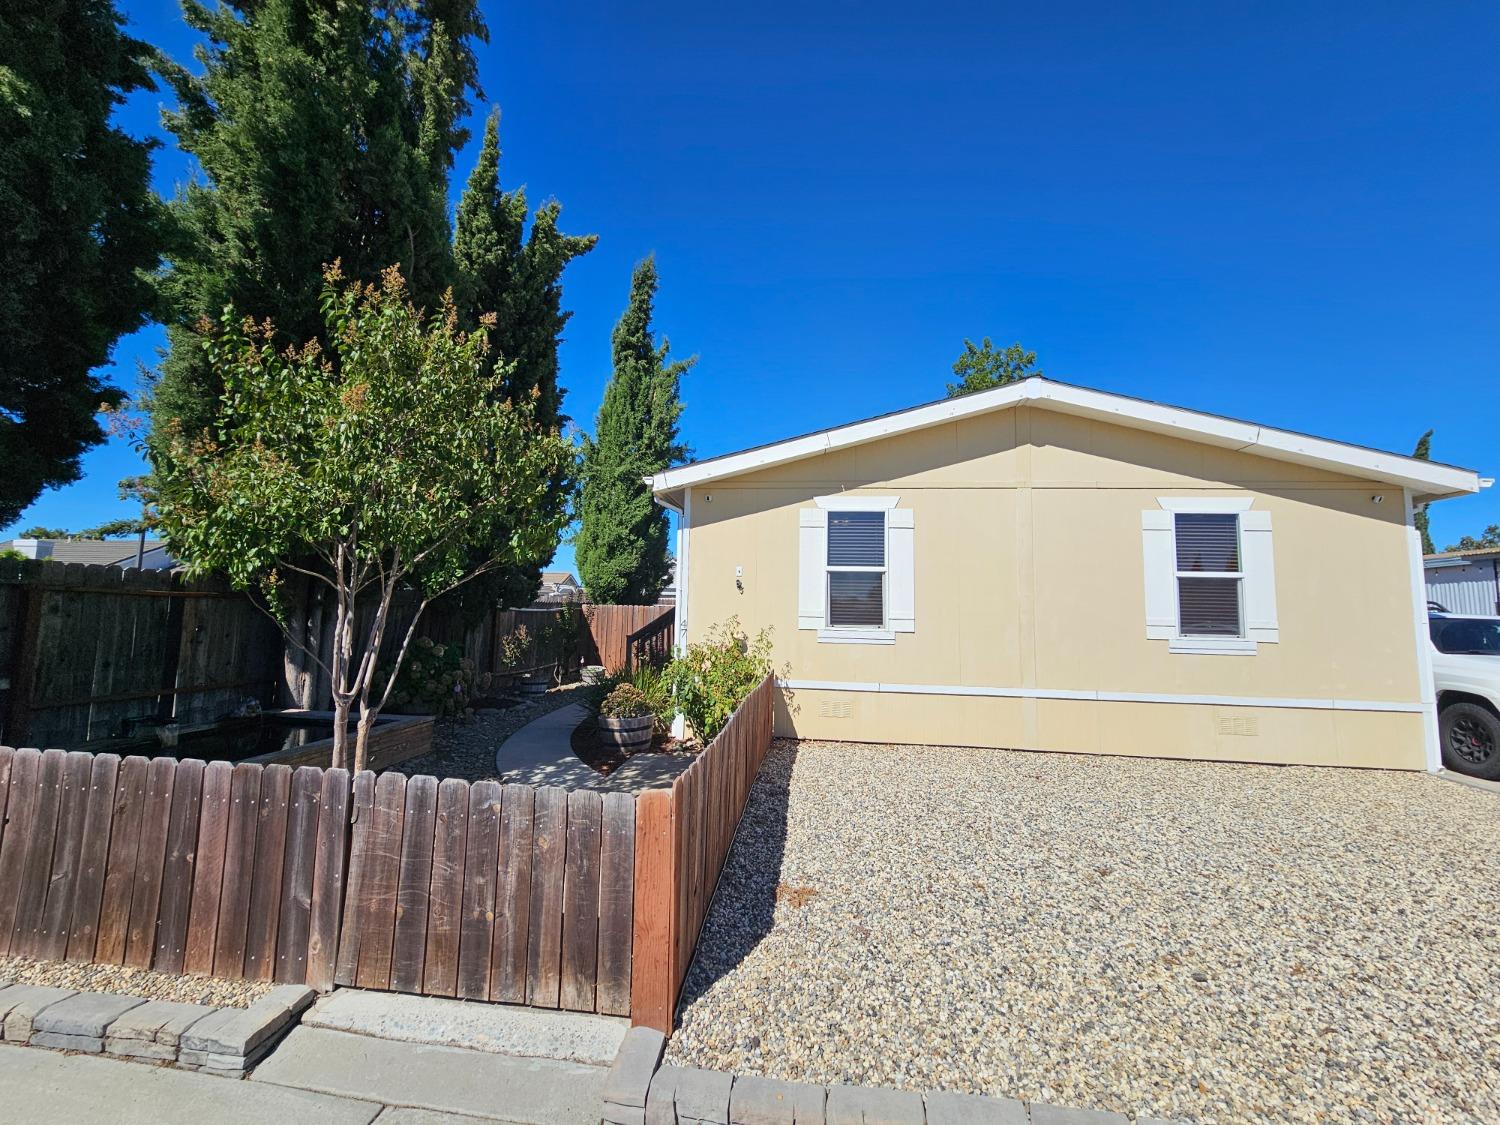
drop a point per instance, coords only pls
(856, 598)
(1208, 542)
(856, 538)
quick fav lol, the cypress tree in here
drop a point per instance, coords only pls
(324, 130)
(81, 233)
(516, 274)
(622, 536)
(1423, 452)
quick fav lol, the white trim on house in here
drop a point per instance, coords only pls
(853, 502)
(1428, 688)
(1428, 480)
(1105, 696)
(898, 588)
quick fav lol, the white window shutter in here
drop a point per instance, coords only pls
(901, 576)
(812, 562)
(1161, 574)
(1259, 565)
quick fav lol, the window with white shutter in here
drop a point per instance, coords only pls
(856, 570)
(1210, 575)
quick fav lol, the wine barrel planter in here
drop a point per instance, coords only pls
(627, 735)
(536, 683)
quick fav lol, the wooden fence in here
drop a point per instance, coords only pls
(548, 897)
(611, 628)
(683, 835)
(88, 652)
(234, 871)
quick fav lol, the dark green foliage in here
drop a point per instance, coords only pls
(79, 233)
(516, 274)
(981, 368)
(1489, 537)
(621, 547)
(325, 131)
(1423, 452)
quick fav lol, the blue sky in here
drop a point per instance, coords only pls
(1281, 212)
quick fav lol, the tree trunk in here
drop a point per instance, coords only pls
(362, 738)
(341, 708)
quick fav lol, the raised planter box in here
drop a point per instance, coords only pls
(394, 739)
(628, 735)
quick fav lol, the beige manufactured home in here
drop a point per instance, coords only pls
(1047, 567)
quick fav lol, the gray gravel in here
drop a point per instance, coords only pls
(467, 750)
(1186, 940)
(134, 982)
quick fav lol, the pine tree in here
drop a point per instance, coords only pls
(81, 233)
(1423, 452)
(621, 546)
(325, 131)
(516, 274)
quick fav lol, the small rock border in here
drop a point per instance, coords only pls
(640, 1091)
(213, 1040)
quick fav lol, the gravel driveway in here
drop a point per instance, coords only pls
(1187, 940)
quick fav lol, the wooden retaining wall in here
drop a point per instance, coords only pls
(554, 898)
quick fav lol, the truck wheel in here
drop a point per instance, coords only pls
(1471, 740)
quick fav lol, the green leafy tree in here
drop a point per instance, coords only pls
(324, 131)
(378, 464)
(515, 273)
(1489, 537)
(1423, 452)
(981, 368)
(81, 233)
(41, 531)
(621, 545)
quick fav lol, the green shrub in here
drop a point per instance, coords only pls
(716, 674)
(625, 702)
(650, 683)
(436, 678)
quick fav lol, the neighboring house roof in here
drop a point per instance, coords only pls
(558, 578)
(97, 552)
(1439, 557)
(1428, 480)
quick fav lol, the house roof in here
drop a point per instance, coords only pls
(1471, 553)
(1428, 480)
(558, 578)
(97, 552)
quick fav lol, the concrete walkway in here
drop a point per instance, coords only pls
(541, 753)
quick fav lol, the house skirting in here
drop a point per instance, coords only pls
(1381, 734)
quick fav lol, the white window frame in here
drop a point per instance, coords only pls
(830, 633)
(1258, 623)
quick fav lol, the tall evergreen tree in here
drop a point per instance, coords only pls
(324, 130)
(1423, 452)
(516, 274)
(621, 545)
(81, 233)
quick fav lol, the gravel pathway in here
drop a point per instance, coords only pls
(467, 750)
(134, 982)
(1187, 940)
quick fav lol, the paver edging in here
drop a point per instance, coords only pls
(675, 1095)
(202, 1037)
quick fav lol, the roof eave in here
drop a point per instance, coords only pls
(1427, 480)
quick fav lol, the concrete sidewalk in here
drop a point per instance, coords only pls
(42, 1085)
(541, 753)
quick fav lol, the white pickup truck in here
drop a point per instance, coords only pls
(1466, 672)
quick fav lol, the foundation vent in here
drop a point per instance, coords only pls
(1244, 726)
(834, 708)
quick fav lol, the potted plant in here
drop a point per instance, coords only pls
(514, 648)
(626, 719)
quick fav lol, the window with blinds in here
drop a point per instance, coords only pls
(1209, 575)
(856, 570)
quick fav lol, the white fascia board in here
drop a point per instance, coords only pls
(1427, 480)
